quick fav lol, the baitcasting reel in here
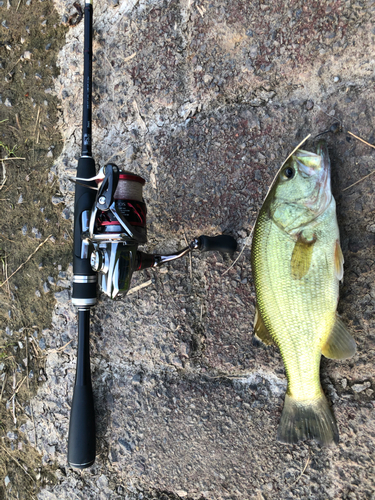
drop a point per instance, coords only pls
(116, 226)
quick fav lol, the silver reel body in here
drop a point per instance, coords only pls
(114, 229)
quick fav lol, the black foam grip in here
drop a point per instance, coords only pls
(81, 444)
(222, 243)
(84, 290)
(82, 441)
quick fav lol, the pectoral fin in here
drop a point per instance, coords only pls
(340, 343)
(301, 257)
(339, 261)
(260, 330)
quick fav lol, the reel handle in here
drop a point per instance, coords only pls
(222, 243)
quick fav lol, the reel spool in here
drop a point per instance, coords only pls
(130, 204)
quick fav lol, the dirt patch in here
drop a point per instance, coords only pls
(34, 232)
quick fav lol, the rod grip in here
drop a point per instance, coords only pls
(81, 442)
(82, 438)
(222, 243)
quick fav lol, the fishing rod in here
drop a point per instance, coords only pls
(81, 441)
(109, 225)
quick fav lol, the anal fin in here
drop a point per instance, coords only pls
(260, 330)
(340, 343)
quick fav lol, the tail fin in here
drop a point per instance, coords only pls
(311, 419)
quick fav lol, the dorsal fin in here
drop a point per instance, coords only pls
(301, 257)
(260, 330)
(340, 344)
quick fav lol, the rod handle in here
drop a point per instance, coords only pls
(81, 442)
(82, 439)
(222, 243)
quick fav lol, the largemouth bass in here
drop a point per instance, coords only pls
(297, 264)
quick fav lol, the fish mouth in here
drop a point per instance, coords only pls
(318, 166)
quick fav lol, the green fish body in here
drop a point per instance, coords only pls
(297, 264)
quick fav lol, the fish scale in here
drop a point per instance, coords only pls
(297, 308)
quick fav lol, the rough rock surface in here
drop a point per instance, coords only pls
(205, 100)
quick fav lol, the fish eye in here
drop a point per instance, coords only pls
(288, 173)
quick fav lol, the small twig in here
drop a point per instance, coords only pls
(303, 471)
(2, 389)
(27, 359)
(70, 236)
(14, 398)
(12, 158)
(18, 387)
(26, 261)
(360, 180)
(269, 189)
(18, 463)
(36, 131)
(368, 175)
(6, 275)
(139, 287)
(35, 347)
(10, 72)
(117, 154)
(8, 188)
(4, 176)
(37, 119)
(18, 6)
(5, 270)
(247, 242)
(62, 347)
(130, 57)
(368, 144)
(200, 10)
(28, 385)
